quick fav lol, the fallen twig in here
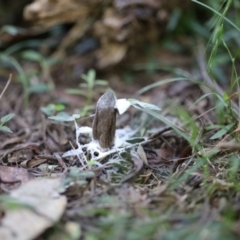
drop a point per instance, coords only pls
(6, 86)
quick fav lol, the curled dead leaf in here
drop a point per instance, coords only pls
(111, 54)
(12, 177)
(32, 163)
(40, 207)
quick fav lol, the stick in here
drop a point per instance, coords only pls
(6, 86)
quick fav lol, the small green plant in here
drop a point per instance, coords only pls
(12, 30)
(3, 121)
(64, 117)
(88, 88)
(52, 109)
(45, 64)
(8, 60)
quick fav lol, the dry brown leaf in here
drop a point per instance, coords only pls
(49, 13)
(117, 25)
(134, 196)
(142, 154)
(12, 177)
(14, 150)
(24, 154)
(46, 206)
(120, 4)
(32, 163)
(111, 54)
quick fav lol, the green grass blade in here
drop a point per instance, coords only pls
(219, 14)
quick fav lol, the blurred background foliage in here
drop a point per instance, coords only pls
(116, 35)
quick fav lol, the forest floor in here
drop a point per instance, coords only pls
(174, 174)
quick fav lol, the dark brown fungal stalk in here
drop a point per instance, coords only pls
(104, 122)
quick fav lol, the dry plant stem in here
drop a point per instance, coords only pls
(159, 133)
(61, 162)
(6, 86)
(104, 122)
(202, 65)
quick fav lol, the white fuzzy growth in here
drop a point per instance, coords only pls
(84, 130)
(73, 152)
(122, 135)
(122, 105)
(93, 146)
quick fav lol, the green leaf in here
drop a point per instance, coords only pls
(213, 126)
(83, 85)
(76, 92)
(32, 56)
(39, 88)
(85, 77)
(11, 203)
(64, 117)
(7, 117)
(12, 30)
(47, 111)
(162, 82)
(75, 172)
(101, 82)
(218, 13)
(5, 58)
(222, 131)
(58, 107)
(51, 109)
(52, 61)
(91, 77)
(168, 123)
(5, 129)
(144, 105)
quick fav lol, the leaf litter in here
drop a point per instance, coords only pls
(40, 206)
(123, 182)
(140, 185)
(103, 188)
